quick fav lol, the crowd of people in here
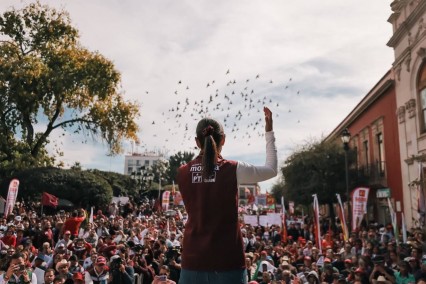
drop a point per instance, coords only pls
(124, 243)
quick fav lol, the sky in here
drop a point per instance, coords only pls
(309, 61)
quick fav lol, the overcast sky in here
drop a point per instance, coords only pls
(310, 61)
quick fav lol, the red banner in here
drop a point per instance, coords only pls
(317, 228)
(49, 200)
(284, 235)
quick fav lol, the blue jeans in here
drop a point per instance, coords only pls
(238, 276)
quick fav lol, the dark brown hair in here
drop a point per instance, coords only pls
(209, 134)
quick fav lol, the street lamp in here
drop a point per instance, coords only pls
(346, 136)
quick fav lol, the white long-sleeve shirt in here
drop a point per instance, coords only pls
(247, 173)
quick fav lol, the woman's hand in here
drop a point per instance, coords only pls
(268, 119)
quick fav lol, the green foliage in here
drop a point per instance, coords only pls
(315, 168)
(122, 185)
(83, 188)
(176, 161)
(49, 82)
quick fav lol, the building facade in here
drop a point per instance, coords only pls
(134, 162)
(374, 138)
(409, 44)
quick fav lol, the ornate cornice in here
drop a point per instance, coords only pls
(407, 24)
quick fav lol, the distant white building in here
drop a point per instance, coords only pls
(134, 162)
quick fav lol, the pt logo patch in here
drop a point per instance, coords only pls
(197, 177)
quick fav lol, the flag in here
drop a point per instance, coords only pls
(341, 214)
(404, 228)
(359, 205)
(291, 207)
(49, 200)
(421, 200)
(166, 200)
(177, 200)
(394, 221)
(11, 196)
(91, 215)
(317, 228)
(284, 235)
(173, 189)
(168, 228)
(249, 196)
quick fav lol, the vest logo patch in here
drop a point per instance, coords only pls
(211, 178)
(197, 177)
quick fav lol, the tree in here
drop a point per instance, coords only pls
(49, 82)
(83, 188)
(176, 161)
(159, 172)
(316, 168)
(122, 185)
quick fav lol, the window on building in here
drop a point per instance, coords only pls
(365, 152)
(356, 157)
(129, 170)
(147, 163)
(381, 148)
(130, 163)
(421, 86)
(138, 163)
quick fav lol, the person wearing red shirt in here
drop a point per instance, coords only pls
(9, 239)
(73, 223)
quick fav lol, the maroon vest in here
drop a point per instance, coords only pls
(212, 238)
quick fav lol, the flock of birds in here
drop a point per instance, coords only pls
(235, 103)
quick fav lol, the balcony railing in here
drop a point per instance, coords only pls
(375, 172)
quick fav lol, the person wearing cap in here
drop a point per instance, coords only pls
(62, 269)
(39, 268)
(78, 278)
(381, 269)
(74, 266)
(348, 267)
(99, 274)
(66, 239)
(338, 261)
(307, 251)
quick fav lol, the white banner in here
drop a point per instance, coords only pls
(250, 219)
(270, 219)
(11, 196)
(359, 205)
